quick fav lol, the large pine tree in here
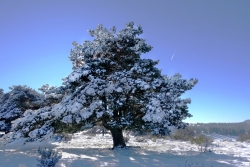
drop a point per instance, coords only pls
(111, 85)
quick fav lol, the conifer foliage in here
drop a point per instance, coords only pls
(49, 158)
(14, 103)
(111, 85)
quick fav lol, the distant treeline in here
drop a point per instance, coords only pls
(233, 129)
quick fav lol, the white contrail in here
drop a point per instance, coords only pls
(173, 55)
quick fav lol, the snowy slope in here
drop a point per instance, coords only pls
(221, 137)
(94, 151)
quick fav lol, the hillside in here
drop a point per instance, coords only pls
(247, 121)
(232, 129)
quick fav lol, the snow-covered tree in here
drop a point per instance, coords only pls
(110, 84)
(14, 103)
(49, 158)
(52, 94)
(1, 94)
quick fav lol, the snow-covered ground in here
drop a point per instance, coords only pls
(221, 137)
(94, 151)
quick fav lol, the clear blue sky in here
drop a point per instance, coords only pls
(210, 38)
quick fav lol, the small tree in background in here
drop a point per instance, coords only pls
(202, 141)
(112, 86)
(244, 138)
(22, 98)
(184, 134)
(14, 103)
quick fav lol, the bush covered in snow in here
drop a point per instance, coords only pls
(202, 141)
(20, 99)
(49, 158)
(14, 103)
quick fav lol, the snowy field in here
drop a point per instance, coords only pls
(94, 151)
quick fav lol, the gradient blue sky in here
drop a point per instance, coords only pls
(211, 39)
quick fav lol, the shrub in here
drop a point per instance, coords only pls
(244, 138)
(91, 131)
(96, 130)
(154, 138)
(66, 136)
(62, 136)
(202, 141)
(142, 138)
(1, 134)
(49, 158)
(183, 134)
(101, 130)
(126, 138)
(139, 139)
(139, 133)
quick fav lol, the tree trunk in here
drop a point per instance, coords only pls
(118, 140)
(102, 130)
